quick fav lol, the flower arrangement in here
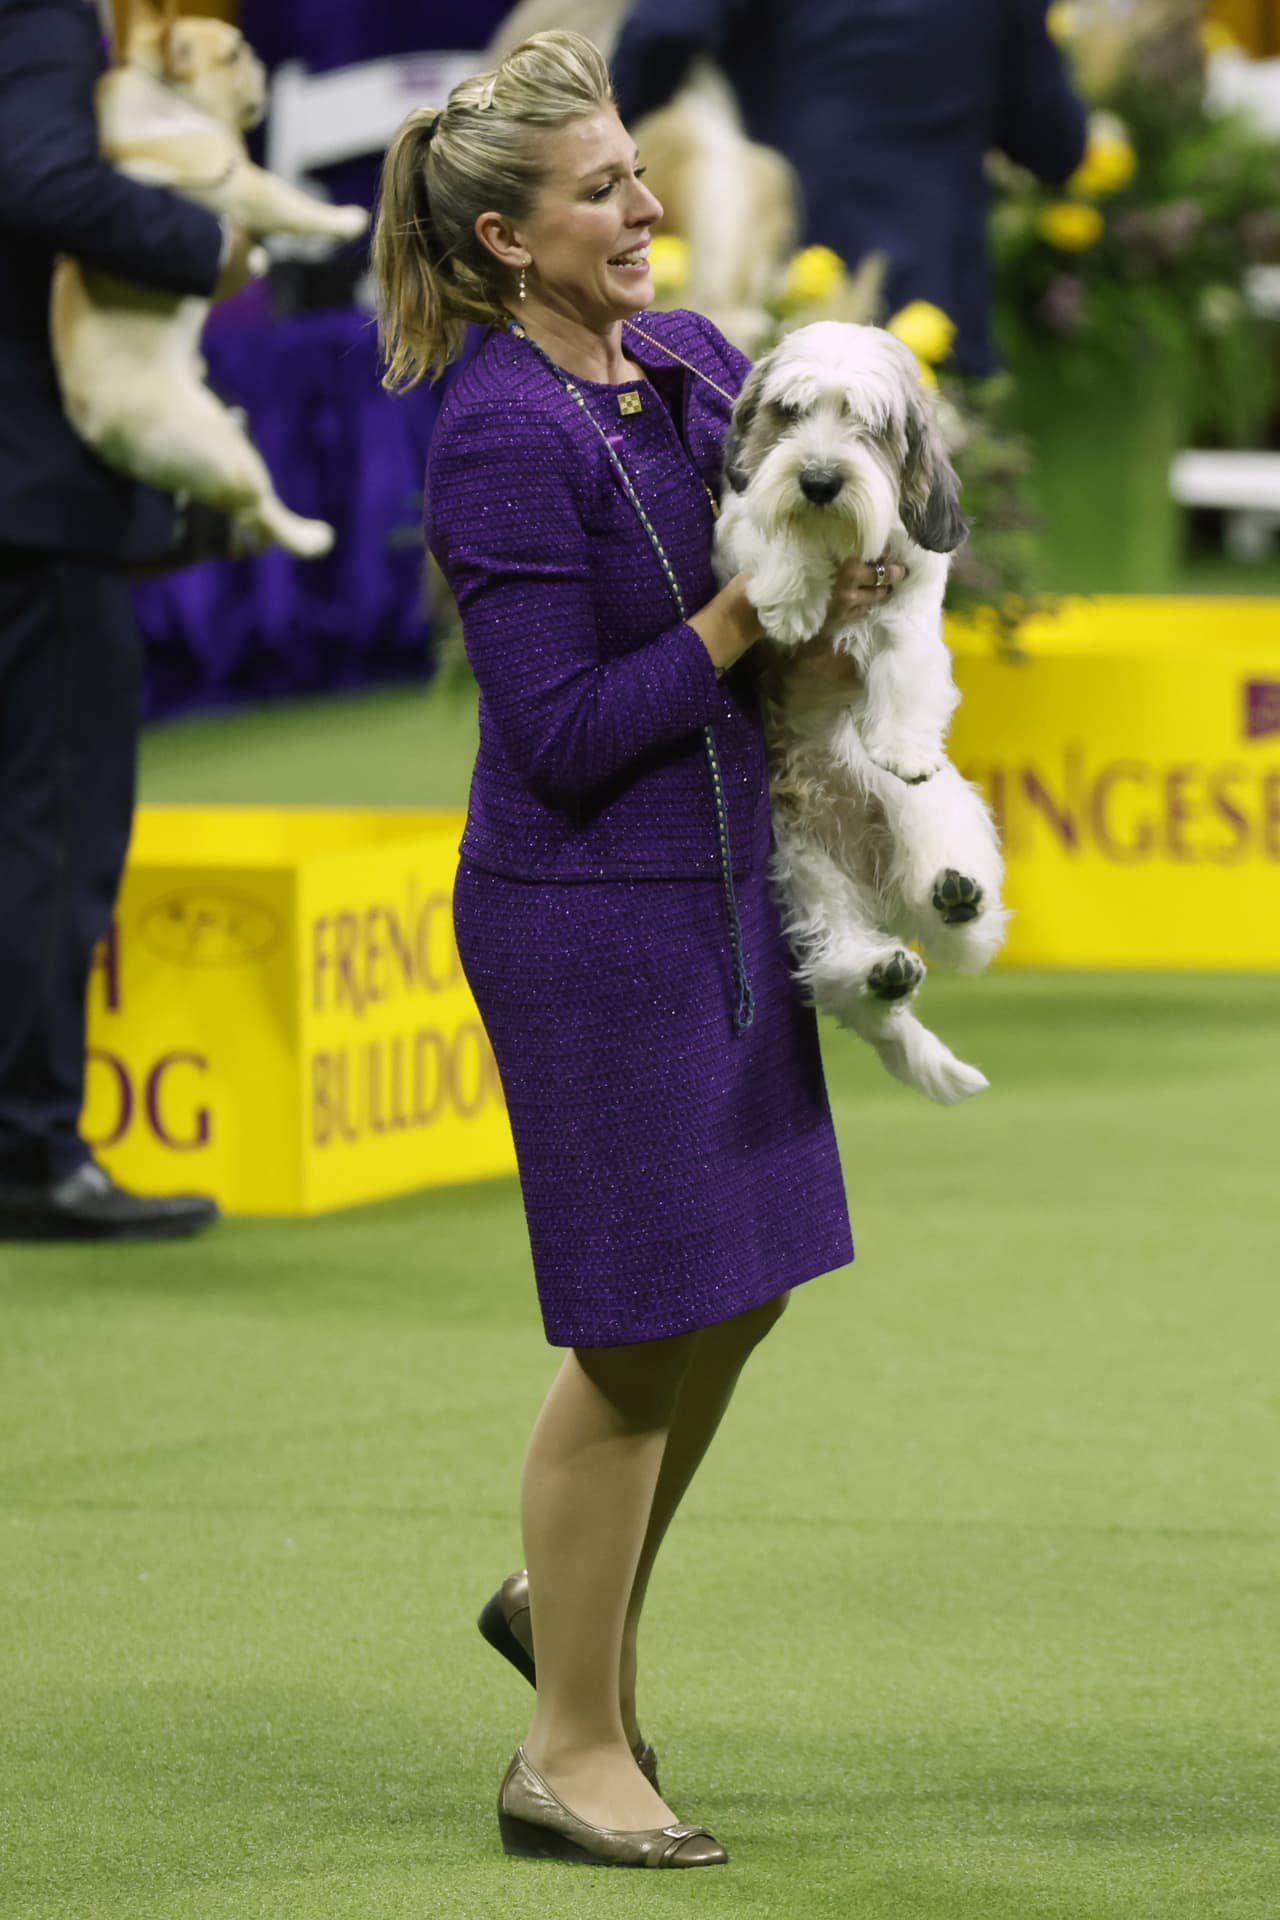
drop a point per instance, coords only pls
(1147, 249)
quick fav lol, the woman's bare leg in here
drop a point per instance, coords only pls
(587, 1495)
(705, 1391)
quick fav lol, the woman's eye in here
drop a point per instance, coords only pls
(602, 193)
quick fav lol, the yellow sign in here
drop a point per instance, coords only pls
(1133, 762)
(279, 1017)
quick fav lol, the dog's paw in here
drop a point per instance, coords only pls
(789, 623)
(956, 897)
(349, 222)
(894, 978)
(913, 768)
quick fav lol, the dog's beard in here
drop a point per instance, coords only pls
(856, 523)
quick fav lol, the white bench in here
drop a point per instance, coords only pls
(319, 119)
(1244, 486)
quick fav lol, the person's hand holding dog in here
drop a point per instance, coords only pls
(856, 590)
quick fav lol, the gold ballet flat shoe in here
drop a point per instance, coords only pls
(535, 1824)
(505, 1623)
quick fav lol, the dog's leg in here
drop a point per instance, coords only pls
(850, 968)
(945, 871)
(187, 442)
(843, 957)
(910, 698)
(789, 583)
(262, 203)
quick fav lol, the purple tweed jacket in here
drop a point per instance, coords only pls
(593, 694)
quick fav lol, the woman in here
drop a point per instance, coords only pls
(670, 1120)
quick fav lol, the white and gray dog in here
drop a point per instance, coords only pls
(835, 453)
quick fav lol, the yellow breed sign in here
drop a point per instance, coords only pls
(1133, 762)
(279, 1016)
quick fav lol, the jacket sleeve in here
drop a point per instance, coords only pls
(1042, 122)
(506, 521)
(659, 39)
(55, 187)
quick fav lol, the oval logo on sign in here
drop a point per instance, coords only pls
(210, 927)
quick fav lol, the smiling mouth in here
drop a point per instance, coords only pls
(638, 258)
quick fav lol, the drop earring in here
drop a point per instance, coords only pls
(520, 290)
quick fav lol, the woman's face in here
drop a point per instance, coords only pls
(588, 233)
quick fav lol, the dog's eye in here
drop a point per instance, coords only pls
(787, 412)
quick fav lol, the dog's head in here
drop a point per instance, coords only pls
(833, 424)
(209, 62)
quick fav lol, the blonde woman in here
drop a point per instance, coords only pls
(671, 1125)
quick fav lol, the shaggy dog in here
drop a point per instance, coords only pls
(833, 453)
(128, 358)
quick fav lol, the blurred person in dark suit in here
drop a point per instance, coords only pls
(70, 656)
(887, 110)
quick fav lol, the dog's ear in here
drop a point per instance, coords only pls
(151, 13)
(180, 56)
(745, 409)
(930, 490)
(145, 20)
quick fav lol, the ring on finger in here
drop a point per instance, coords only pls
(881, 573)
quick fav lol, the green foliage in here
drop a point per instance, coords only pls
(996, 574)
(1166, 272)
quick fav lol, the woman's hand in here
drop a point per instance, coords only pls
(855, 593)
(816, 670)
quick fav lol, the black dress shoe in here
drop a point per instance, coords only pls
(88, 1205)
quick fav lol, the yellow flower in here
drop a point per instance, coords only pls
(1109, 163)
(1217, 37)
(812, 277)
(1070, 227)
(928, 378)
(1062, 20)
(668, 263)
(925, 329)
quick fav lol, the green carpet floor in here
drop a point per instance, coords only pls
(973, 1616)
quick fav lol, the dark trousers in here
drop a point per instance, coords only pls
(70, 696)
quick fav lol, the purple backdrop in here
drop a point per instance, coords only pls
(340, 448)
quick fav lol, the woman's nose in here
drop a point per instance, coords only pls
(646, 207)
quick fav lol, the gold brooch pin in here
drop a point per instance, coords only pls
(630, 403)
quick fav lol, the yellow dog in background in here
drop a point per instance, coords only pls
(174, 113)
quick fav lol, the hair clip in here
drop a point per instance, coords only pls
(486, 97)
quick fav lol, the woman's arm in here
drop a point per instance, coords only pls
(505, 516)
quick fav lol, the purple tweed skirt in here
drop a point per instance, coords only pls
(674, 1173)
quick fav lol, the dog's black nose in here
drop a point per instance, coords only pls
(821, 484)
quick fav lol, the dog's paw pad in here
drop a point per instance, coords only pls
(956, 897)
(894, 978)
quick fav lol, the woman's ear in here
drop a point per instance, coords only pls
(498, 237)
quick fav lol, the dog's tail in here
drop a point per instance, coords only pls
(911, 1053)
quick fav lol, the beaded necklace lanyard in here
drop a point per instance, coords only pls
(743, 998)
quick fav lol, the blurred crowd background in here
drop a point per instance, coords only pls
(1078, 231)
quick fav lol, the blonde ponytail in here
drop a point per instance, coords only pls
(444, 168)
